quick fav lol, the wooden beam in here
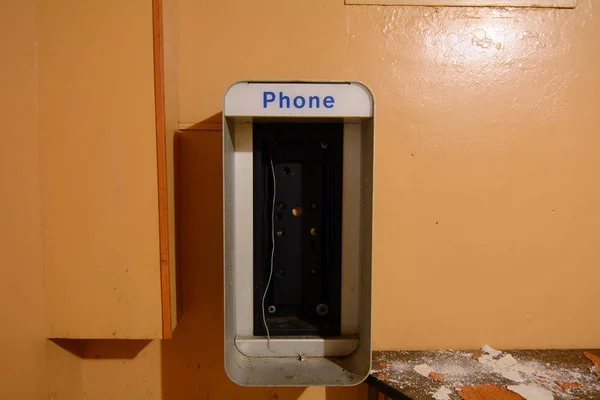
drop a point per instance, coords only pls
(161, 156)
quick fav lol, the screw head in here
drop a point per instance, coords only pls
(322, 309)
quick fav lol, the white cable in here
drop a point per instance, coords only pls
(272, 252)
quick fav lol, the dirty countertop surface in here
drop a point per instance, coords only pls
(487, 374)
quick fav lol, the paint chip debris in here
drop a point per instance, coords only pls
(491, 351)
(423, 369)
(513, 376)
(436, 376)
(531, 392)
(569, 385)
(507, 365)
(486, 375)
(596, 360)
(443, 393)
(487, 392)
(507, 361)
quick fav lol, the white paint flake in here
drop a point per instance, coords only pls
(442, 393)
(492, 352)
(423, 369)
(531, 392)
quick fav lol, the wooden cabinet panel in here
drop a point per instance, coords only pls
(98, 149)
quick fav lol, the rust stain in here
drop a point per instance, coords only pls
(381, 377)
(596, 360)
(436, 376)
(569, 385)
(383, 365)
(476, 355)
(487, 392)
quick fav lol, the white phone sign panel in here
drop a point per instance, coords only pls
(298, 100)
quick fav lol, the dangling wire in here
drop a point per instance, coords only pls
(272, 251)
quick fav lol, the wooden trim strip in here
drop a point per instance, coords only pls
(161, 158)
(469, 3)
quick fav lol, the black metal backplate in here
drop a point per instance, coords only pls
(304, 295)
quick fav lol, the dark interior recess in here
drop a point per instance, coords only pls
(304, 296)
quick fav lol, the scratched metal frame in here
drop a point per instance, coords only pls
(470, 3)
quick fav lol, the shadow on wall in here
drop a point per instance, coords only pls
(192, 361)
(106, 349)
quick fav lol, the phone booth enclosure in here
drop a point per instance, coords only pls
(298, 222)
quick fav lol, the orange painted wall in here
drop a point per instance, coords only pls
(22, 340)
(487, 139)
(485, 202)
(486, 184)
